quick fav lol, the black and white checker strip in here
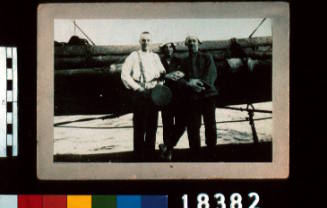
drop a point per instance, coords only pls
(8, 102)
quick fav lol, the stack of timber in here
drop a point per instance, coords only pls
(87, 78)
(84, 56)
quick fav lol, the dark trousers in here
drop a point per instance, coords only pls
(174, 124)
(206, 108)
(168, 122)
(145, 122)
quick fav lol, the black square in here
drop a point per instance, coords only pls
(9, 128)
(9, 84)
(9, 151)
(9, 106)
(9, 63)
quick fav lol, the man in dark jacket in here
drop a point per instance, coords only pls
(201, 74)
(170, 113)
(173, 115)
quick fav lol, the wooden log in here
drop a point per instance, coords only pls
(125, 50)
(83, 62)
(115, 69)
(84, 72)
(107, 60)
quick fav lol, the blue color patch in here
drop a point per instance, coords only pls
(128, 201)
(8, 201)
(155, 201)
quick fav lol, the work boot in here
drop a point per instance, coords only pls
(166, 153)
(163, 149)
(169, 154)
(211, 153)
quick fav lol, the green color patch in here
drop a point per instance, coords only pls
(103, 201)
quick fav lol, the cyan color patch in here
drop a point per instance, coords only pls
(8, 201)
(128, 201)
(155, 201)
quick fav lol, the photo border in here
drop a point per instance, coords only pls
(47, 169)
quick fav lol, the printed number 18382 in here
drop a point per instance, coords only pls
(235, 200)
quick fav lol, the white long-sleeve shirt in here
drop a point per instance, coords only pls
(131, 72)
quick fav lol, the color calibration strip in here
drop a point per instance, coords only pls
(84, 201)
(8, 102)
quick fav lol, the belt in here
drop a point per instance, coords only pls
(151, 84)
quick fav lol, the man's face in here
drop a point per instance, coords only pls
(145, 41)
(168, 50)
(193, 45)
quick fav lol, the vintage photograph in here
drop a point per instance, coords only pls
(156, 90)
(142, 91)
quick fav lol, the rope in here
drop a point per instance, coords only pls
(88, 119)
(257, 27)
(75, 24)
(74, 27)
(245, 109)
(159, 126)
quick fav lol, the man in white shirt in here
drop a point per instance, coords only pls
(141, 72)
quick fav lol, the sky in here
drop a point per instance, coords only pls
(127, 31)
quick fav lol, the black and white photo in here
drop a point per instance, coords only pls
(159, 93)
(90, 95)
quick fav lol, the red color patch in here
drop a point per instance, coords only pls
(29, 201)
(54, 201)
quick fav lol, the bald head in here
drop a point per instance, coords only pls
(145, 40)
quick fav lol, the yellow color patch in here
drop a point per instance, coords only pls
(79, 201)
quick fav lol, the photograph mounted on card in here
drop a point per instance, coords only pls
(141, 91)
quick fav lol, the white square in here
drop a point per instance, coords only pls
(9, 118)
(9, 96)
(9, 52)
(9, 139)
(9, 74)
(8, 201)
